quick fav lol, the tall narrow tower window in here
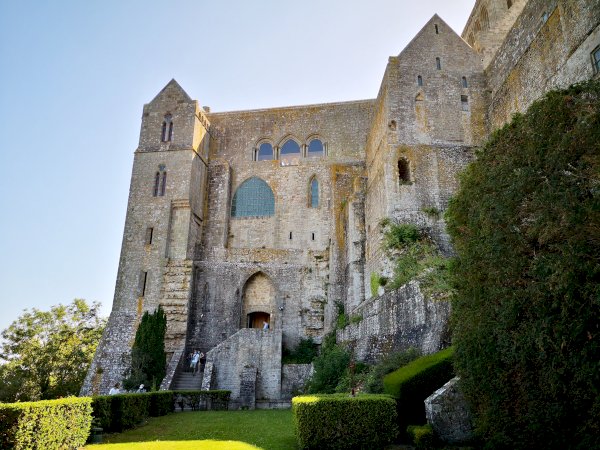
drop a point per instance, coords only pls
(403, 171)
(437, 31)
(167, 124)
(160, 182)
(163, 184)
(314, 193)
(142, 286)
(156, 184)
(419, 80)
(464, 82)
(464, 102)
(163, 134)
(438, 64)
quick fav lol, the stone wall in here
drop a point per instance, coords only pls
(294, 378)
(397, 321)
(248, 348)
(549, 47)
(430, 128)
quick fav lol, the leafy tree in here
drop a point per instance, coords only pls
(526, 227)
(148, 358)
(46, 354)
(330, 366)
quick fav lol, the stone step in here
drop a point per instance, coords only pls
(186, 381)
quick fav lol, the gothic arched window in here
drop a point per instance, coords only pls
(316, 148)
(264, 152)
(253, 198)
(290, 150)
(314, 193)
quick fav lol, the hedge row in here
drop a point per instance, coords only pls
(338, 421)
(416, 381)
(124, 411)
(47, 424)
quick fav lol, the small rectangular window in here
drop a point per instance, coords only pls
(290, 235)
(596, 59)
(149, 233)
(142, 287)
(464, 101)
(437, 31)
(438, 64)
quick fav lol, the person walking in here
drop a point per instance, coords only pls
(194, 362)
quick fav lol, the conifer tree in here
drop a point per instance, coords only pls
(148, 359)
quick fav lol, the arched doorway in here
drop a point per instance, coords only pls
(258, 319)
(258, 301)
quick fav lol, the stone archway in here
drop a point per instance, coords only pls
(258, 301)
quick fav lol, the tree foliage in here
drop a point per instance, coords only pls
(526, 226)
(46, 354)
(148, 358)
(330, 366)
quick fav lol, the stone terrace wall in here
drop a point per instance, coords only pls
(248, 348)
(397, 321)
(538, 56)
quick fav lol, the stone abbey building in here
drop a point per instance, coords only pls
(272, 216)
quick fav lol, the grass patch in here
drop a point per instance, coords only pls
(266, 429)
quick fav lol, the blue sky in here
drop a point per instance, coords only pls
(74, 76)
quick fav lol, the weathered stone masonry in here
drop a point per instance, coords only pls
(220, 276)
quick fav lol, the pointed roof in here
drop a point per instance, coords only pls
(173, 89)
(435, 19)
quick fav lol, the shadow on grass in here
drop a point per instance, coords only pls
(264, 429)
(207, 444)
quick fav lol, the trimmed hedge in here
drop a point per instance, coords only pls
(161, 403)
(120, 412)
(416, 381)
(339, 421)
(46, 424)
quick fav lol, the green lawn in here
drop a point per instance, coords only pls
(243, 430)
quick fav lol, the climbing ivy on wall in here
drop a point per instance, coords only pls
(526, 316)
(148, 359)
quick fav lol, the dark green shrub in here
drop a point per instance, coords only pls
(120, 412)
(396, 236)
(340, 421)
(330, 366)
(416, 381)
(47, 424)
(526, 226)
(148, 358)
(102, 411)
(422, 436)
(161, 403)
(374, 380)
(304, 353)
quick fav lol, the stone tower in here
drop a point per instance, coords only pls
(164, 221)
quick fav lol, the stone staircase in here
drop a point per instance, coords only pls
(186, 381)
(174, 297)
